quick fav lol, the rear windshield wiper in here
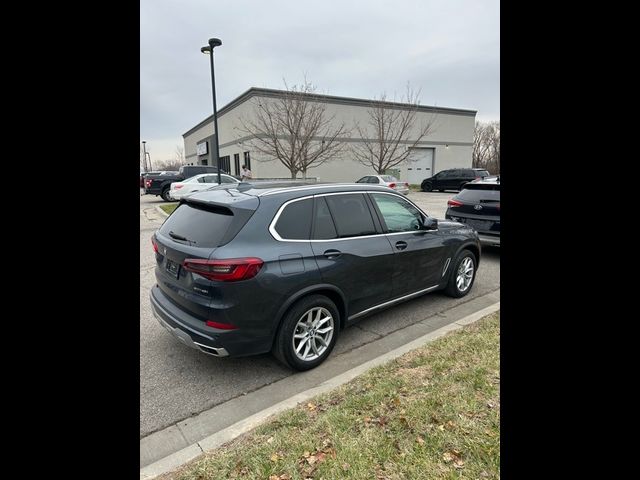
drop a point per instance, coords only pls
(180, 237)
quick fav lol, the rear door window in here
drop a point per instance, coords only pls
(323, 226)
(294, 223)
(351, 215)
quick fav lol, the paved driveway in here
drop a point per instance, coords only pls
(177, 382)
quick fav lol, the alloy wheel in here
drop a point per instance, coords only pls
(312, 334)
(465, 274)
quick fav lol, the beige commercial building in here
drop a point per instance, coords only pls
(448, 144)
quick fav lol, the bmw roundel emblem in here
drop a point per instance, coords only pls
(478, 207)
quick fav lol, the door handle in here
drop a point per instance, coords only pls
(332, 253)
(401, 245)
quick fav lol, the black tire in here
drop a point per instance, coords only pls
(426, 186)
(453, 285)
(283, 348)
(165, 195)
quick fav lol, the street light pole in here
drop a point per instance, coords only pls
(150, 167)
(214, 42)
(144, 158)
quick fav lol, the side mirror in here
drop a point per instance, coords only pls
(430, 223)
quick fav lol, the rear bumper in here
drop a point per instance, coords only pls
(192, 331)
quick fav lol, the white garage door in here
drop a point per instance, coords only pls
(419, 165)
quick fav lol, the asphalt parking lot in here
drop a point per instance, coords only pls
(177, 382)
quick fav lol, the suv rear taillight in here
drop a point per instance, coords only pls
(392, 185)
(148, 183)
(155, 245)
(454, 203)
(231, 270)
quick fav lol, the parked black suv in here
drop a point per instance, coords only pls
(246, 269)
(452, 179)
(478, 206)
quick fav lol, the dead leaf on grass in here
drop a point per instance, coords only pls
(420, 440)
(345, 466)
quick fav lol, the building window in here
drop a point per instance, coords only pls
(236, 163)
(247, 160)
(225, 163)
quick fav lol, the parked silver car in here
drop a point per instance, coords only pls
(387, 181)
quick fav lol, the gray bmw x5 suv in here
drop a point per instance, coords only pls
(246, 269)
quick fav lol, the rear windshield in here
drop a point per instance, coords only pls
(481, 173)
(388, 178)
(200, 227)
(480, 193)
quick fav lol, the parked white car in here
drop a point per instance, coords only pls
(197, 183)
(388, 181)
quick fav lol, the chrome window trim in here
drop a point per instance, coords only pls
(276, 236)
(272, 225)
(390, 302)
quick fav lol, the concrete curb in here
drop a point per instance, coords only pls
(179, 458)
(162, 212)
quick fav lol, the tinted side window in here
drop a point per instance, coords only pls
(398, 214)
(374, 180)
(351, 215)
(294, 222)
(323, 226)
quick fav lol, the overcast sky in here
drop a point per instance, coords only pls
(450, 49)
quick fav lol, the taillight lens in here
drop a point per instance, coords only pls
(231, 270)
(454, 203)
(392, 185)
(177, 187)
(148, 183)
(406, 184)
(155, 245)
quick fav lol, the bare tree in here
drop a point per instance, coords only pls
(143, 160)
(169, 165)
(486, 146)
(481, 153)
(295, 129)
(390, 132)
(180, 154)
